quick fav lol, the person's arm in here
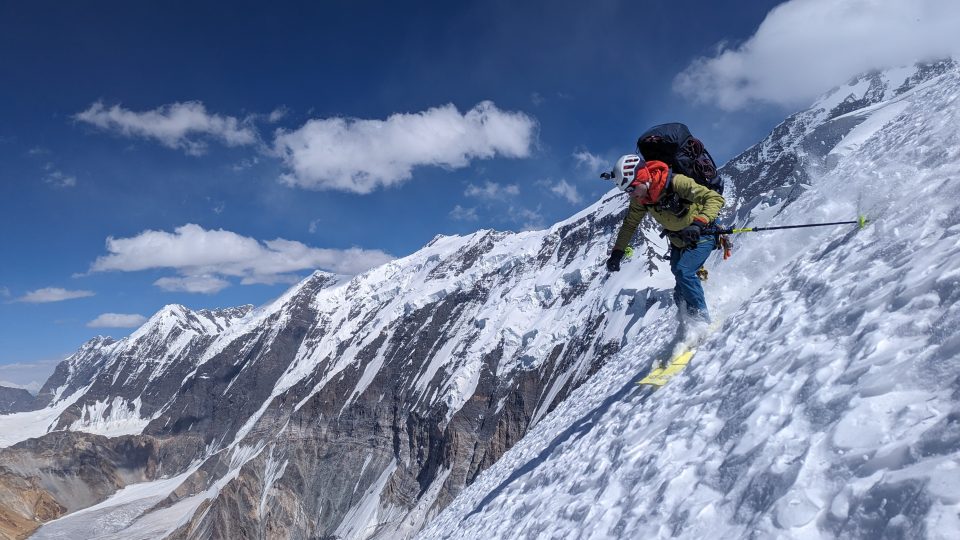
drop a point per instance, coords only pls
(630, 223)
(709, 200)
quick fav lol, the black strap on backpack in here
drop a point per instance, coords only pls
(674, 145)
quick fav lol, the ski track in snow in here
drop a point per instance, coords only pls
(826, 406)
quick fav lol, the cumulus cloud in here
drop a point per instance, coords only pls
(566, 190)
(492, 191)
(117, 320)
(805, 47)
(52, 294)
(460, 213)
(186, 126)
(359, 156)
(205, 258)
(590, 161)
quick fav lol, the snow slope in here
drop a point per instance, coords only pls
(826, 406)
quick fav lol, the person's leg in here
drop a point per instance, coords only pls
(675, 254)
(684, 264)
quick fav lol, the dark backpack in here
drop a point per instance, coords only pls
(674, 145)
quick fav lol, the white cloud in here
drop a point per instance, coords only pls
(529, 220)
(4, 292)
(277, 114)
(185, 126)
(117, 320)
(491, 191)
(51, 294)
(245, 164)
(460, 213)
(58, 179)
(589, 161)
(204, 258)
(567, 191)
(805, 47)
(360, 156)
(204, 284)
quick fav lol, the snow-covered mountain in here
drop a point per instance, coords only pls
(826, 405)
(359, 408)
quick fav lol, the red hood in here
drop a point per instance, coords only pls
(657, 173)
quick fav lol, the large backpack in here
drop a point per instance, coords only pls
(674, 145)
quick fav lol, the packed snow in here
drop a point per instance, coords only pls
(18, 427)
(825, 406)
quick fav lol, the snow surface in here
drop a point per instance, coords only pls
(112, 519)
(112, 418)
(18, 427)
(827, 404)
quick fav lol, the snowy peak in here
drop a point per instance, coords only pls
(878, 86)
(204, 321)
(773, 174)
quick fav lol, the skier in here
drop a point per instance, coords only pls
(684, 208)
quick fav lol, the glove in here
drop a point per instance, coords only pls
(613, 263)
(691, 235)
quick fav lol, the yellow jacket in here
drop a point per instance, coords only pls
(683, 201)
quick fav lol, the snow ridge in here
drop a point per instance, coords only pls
(825, 407)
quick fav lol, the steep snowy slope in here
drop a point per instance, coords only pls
(826, 405)
(361, 408)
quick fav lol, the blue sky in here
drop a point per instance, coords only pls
(211, 153)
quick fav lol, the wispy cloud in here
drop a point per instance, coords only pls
(205, 258)
(4, 292)
(117, 320)
(460, 213)
(566, 190)
(59, 179)
(529, 220)
(186, 126)
(805, 47)
(245, 164)
(590, 161)
(359, 156)
(492, 191)
(52, 294)
(203, 284)
(278, 114)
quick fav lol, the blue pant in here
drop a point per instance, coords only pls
(684, 264)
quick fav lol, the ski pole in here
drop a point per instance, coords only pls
(861, 222)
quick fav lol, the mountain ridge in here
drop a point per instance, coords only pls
(387, 394)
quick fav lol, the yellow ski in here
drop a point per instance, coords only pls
(661, 375)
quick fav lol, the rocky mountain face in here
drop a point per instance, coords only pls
(360, 408)
(16, 400)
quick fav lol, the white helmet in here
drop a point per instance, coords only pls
(625, 171)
